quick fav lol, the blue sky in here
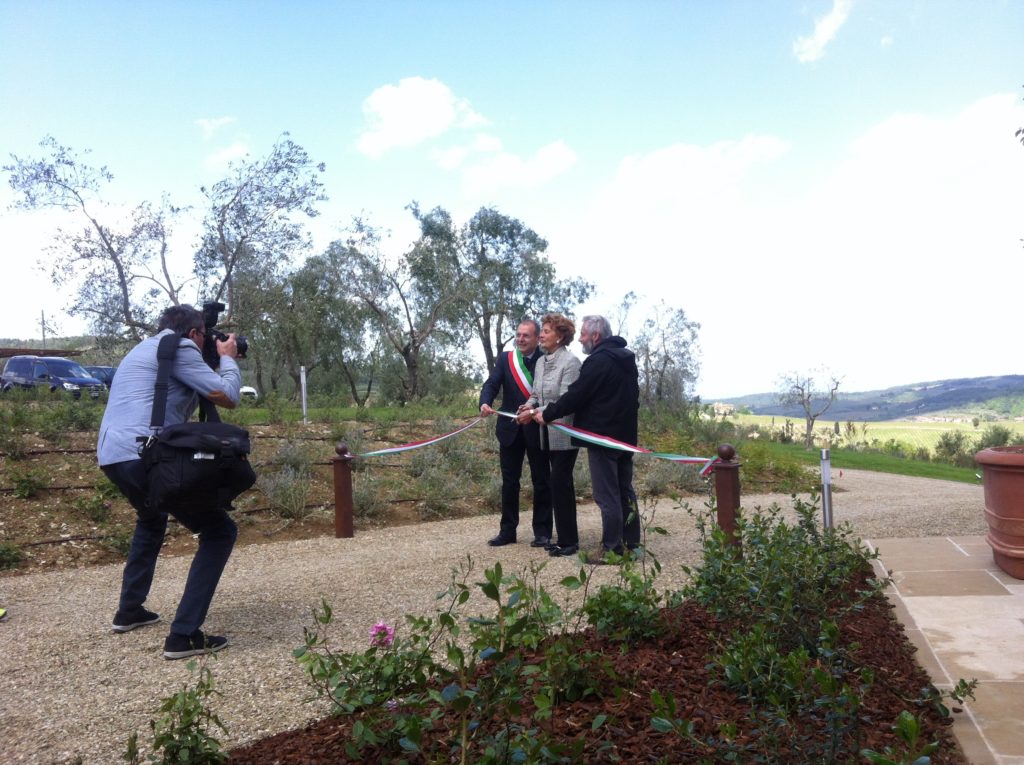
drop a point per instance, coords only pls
(820, 183)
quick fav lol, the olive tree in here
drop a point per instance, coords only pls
(667, 355)
(505, 276)
(253, 226)
(814, 392)
(412, 297)
(118, 262)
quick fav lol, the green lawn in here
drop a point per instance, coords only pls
(915, 434)
(881, 463)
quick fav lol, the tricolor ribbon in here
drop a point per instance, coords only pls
(522, 375)
(418, 444)
(611, 443)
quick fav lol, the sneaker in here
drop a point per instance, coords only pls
(126, 621)
(183, 646)
(3, 614)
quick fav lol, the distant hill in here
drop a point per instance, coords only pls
(1001, 397)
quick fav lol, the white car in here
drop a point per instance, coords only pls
(247, 391)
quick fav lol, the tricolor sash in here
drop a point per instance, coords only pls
(522, 375)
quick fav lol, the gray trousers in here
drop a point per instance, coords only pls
(611, 476)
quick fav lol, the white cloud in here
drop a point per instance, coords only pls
(887, 41)
(455, 157)
(503, 170)
(897, 263)
(220, 160)
(812, 48)
(411, 112)
(209, 126)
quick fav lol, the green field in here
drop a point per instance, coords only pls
(915, 434)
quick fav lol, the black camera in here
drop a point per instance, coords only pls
(211, 312)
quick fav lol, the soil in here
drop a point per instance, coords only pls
(675, 665)
(74, 519)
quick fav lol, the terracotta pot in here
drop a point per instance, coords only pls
(1003, 476)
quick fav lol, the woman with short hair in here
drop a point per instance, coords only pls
(554, 373)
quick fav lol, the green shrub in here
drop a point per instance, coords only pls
(14, 421)
(775, 469)
(276, 407)
(27, 482)
(94, 507)
(994, 435)
(661, 478)
(10, 555)
(628, 611)
(286, 485)
(286, 490)
(119, 542)
(954, 447)
(181, 735)
(790, 576)
(367, 502)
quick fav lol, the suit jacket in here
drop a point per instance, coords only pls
(511, 399)
(555, 373)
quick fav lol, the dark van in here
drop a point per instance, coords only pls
(104, 374)
(54, 372)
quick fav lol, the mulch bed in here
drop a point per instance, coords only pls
(676, 665)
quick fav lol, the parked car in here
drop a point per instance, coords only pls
(104, 374)
(247, 391)
(54, 372)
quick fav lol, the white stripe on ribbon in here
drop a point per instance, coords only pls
(612, 443)
(418, 444)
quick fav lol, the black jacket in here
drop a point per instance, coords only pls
(606, 396)
(511, 399)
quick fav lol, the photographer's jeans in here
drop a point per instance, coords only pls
(217, 534)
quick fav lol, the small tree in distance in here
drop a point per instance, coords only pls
(813, 392)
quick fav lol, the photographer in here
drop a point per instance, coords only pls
(125, 421)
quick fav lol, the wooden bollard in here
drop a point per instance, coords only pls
(342, 492)
(727, 491)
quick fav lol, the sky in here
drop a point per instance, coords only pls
(820, 184)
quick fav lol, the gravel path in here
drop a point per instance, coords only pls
(71, 691)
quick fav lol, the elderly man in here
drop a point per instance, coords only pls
(606, 401)
(513, 377)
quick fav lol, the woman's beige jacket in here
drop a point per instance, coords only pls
(552, 376)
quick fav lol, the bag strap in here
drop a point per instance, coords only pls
(165, 353)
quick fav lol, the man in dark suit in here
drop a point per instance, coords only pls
(513, 376)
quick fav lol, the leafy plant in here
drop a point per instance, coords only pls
(994, 435)
(94, 507)
(286, 490)
(287, 487)
(181, 735)
(913, 751)
(27, 482)
(954, 447)
(120, 542)
(628, 611)
(10, 555)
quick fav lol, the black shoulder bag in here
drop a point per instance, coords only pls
(203, 464)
